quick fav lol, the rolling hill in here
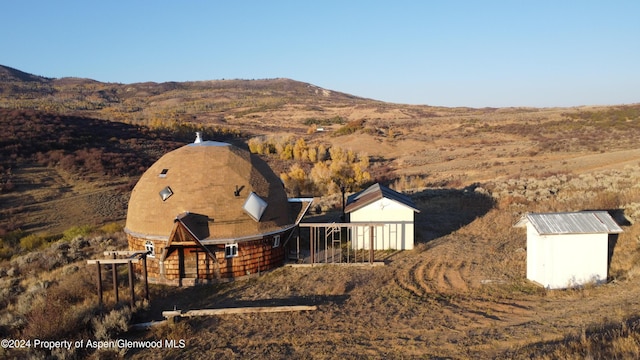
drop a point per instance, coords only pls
(410, 145)
(72, 148)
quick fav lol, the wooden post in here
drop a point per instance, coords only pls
(326, 247)
(371, 228)
(114, 268)
(133, 294)
(99, 283)
(298, 246)
(115, 281)
(144, 274)
(312, 244)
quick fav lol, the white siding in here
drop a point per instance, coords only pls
(533, 260)
(396, 234)
(561, 261)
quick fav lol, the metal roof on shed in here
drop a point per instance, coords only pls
(583, 222)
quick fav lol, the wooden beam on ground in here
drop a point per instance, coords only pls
(240, 310)
(146, 325)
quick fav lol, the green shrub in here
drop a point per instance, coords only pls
(75, 231)
(324, 122)
(32, 242)
(112, 324)
(111, 228)
(6, 251)
(13, 238)
(350, 128)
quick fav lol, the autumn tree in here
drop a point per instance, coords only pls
(256, 145)
(322, 153)
(287, 152)
(300, 149)
(312, 153)
(296, 180)
(333, 167)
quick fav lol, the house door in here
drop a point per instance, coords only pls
(188, 263)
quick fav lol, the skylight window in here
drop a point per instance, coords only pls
(166, 193)
(163, 173)
(255, 206)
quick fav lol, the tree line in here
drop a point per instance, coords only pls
(315, 168)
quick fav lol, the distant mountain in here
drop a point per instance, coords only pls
(78, 87)
(276, 102)
(8, 74)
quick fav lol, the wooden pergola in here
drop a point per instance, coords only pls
(132, 257)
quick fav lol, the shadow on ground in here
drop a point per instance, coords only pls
(443, 211)
(217, 296)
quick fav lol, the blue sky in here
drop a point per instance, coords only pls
(446, 53)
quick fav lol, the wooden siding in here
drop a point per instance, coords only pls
(191, 264)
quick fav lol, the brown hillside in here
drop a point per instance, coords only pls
(71, 148)
(61, 170)
(410, 145)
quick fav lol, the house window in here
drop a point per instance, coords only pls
(163, 173)
(230, 250)
(276, 241)
(150, 249)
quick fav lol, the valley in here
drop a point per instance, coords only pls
(72, 149)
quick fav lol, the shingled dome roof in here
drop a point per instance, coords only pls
(234, 194)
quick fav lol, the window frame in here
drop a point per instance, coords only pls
(230, 250)
(150, 249)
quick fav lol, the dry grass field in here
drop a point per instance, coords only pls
(460, 294)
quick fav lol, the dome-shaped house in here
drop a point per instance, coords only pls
(210, 211)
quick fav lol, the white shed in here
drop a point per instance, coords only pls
(568, 249)
(380, 204)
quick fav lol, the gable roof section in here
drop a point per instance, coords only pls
(299, 207)
(583, 222)
(188, 230)
(374, 193)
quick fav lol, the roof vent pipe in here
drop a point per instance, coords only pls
(198, 137)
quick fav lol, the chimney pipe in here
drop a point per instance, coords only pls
(198, 137)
